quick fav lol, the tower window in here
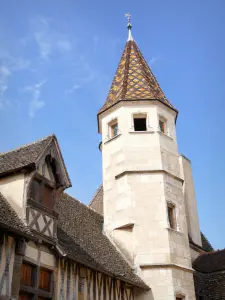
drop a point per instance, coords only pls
(113, 128)
(171, 216)
(162, 124)
(140, 122)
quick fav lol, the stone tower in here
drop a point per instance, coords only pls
(144, 206)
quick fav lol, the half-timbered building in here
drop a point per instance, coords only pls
(140, 234)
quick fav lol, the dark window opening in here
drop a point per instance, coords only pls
(140, 124)
(162, 126)
(36, 190)
(114, 130)
(42, 193)
(171, 216)
(48, 197)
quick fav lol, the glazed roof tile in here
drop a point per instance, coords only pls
(134, 80)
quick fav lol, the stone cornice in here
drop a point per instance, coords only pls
(127, 172)
(162, 265)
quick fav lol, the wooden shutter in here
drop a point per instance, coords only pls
(36, 190)
(26, 277)
(25, 296)
(48, 197)
(44, 282)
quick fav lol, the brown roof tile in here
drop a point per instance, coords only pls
(134, 80)
(10, 219)
(84, 227)
(27, 156)
(24, 156)
(97, 201)
(210, 262)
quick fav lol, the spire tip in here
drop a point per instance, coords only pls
(129, 26)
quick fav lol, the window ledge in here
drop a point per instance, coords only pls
(165, 135)
(174, 230)
(142, 132)
(113, 138)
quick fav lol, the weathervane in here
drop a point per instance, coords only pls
(129, 26)
(128, 16)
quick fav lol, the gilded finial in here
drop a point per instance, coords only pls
(129, 26)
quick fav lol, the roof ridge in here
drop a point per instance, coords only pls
(96, 193)
(27, 145)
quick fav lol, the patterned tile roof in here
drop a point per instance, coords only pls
(134, 80)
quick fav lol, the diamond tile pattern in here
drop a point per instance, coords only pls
(133, 79)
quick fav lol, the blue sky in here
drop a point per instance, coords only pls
(57, 61)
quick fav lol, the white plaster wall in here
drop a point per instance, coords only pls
(40, 255)
(47, 259)
(31, 251)
(190, 201)
(12, 188)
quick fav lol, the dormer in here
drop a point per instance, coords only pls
(32, 179)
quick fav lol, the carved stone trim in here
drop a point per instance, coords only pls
(147, 172)
(162, 265)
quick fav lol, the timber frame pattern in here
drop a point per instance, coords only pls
(97, 285)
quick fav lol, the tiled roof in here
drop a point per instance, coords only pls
(27, 156)
(97, 201)
(82, 227)
(206, 244)
(10, 219)
(210, 262)
(24, 156)
(134, 80)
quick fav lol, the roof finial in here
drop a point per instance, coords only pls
(129, 26)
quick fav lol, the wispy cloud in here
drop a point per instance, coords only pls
(48, 39)
(9, 65)
(4, 76)
(35, 102)
(153, 60)
(82, 74)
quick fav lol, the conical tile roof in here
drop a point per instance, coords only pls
(134, 80)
